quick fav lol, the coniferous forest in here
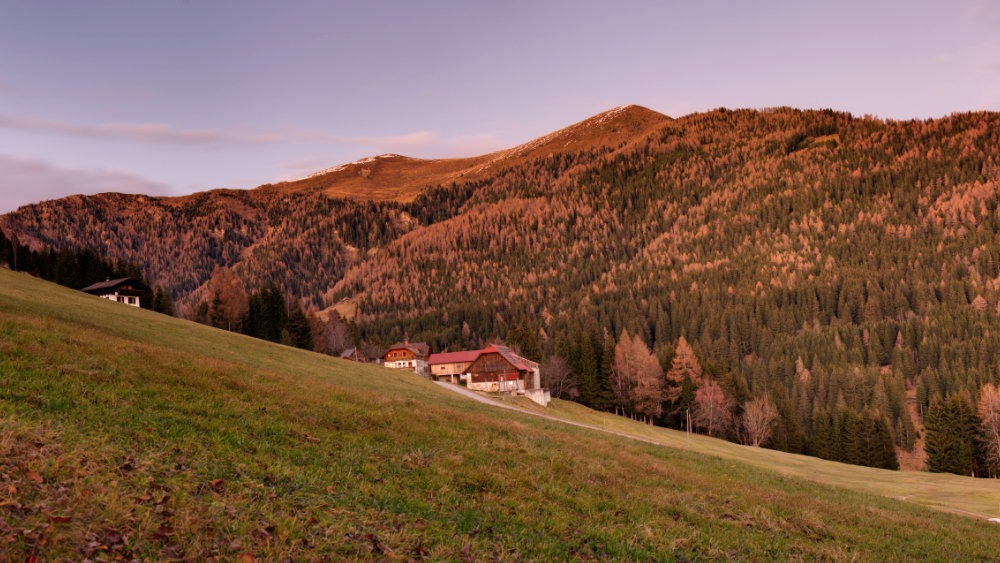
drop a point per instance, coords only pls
(808, 281)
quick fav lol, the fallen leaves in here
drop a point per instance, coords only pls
(217, 486)
(379, 548)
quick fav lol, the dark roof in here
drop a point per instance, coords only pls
(351, 353)
(513, 359)
(111, 285)
(419, 349)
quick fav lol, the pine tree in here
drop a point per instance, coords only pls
(589, 371)
(162, 303)
(950, 435)
(298, 328)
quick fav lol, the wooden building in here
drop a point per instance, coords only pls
(451, 366)
(407, 355)
(123, 290)
(499, 369)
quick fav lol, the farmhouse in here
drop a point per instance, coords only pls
(122, 290)
(499, 369)
(404, 355)
(451, 366)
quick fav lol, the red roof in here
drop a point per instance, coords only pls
(454, 357)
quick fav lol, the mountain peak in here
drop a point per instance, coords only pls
(608, 128)
(392, 176)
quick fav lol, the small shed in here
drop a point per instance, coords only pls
(354, 355)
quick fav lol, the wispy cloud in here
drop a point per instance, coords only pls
(24, 181)
(155, 132)
(420, 143)
(983, 12)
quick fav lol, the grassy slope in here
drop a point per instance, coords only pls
(979, 498)
(125, 433)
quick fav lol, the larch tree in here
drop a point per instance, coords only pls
(647, 396)
(989, 425)
(636, 378)
(681, 381)
(624, 370)
(683, 368)
(228, 304)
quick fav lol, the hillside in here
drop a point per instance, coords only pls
(126, 434)
(846, 268)
(304, 234)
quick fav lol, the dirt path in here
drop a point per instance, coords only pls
(476, 396)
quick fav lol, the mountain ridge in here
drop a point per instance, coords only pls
(399, 177)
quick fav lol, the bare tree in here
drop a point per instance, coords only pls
(559, 378)
(712, 409)
(989, 423)
(758, 420)
(332, 336)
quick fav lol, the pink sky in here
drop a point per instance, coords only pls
(170, 97)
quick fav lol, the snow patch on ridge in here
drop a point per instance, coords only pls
(339, 167)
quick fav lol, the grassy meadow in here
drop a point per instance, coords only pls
(127, 434)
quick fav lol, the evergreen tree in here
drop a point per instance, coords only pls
(950, 436)
(162, 303)
(589, 371)
(298, 327)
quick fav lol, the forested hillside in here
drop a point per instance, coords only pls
(836, 266)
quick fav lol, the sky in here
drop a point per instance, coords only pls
(168, 97)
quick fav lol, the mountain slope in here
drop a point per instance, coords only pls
(167, 439)
(301, 234)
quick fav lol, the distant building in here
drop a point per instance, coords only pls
(451, 366)
(406, 355)
(122, 290)
(354, 355)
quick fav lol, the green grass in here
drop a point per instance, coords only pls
(978, 498)
(126, 434)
